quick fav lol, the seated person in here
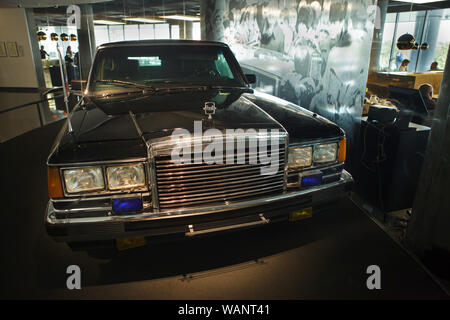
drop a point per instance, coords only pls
(426, 91)
(434, 66)
(404, 66)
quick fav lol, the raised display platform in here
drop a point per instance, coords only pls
(324, 257)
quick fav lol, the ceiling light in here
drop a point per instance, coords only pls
(107, 22)
(142, 19)
(421, 1)
(182, 17)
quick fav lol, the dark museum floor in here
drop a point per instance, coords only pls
(324, 257)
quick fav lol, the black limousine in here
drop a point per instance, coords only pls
(169, 138)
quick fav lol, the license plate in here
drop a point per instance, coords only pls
(300, 214)
(128, 243)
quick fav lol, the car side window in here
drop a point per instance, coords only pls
(223, 67)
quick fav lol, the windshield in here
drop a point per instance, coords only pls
(117, 69)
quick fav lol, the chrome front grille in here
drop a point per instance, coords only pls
(184, 185)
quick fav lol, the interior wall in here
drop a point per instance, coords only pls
(16, 72)
(312, 53)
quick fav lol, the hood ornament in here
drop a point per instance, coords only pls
(210, 109)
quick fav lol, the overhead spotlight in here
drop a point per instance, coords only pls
(73, 37)
(107, 22)
(424, 46)
(42, 36)
(64, 37)
(54, 36)
(182, 17)
(406, 42)
(143, 19)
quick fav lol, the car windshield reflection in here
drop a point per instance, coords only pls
(168, 66)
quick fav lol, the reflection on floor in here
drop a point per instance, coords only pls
(395, 223)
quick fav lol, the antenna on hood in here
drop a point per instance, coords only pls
(65, 82)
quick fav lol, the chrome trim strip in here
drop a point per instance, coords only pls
(326, 166)
(314, 142)
(153, 180)
(93, 163)
(192, 232)
(75, 210)
(185, 212)
(94, 198)
(286, 164)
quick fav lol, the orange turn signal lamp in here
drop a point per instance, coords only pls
(54, 183)
(342, 150)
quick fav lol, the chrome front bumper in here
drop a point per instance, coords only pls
(179, 220)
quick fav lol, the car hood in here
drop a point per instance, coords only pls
(119, 127)
(157, 116)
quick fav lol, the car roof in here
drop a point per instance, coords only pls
(161, 42)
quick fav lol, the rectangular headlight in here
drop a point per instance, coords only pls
(83, 179)
(325, 153)
(300, 157)
(126, 176)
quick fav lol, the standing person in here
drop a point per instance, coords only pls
(76, 66)
(404, 66)
(69, 63)
(69, 55)
(43, 53)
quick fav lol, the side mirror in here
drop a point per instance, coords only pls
(78, 85)
(251, 78)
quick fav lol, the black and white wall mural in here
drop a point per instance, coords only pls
(311, 53)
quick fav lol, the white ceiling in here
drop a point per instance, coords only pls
(43, 3)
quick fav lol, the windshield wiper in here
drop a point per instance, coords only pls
(124, 82)
(169, 90)
(165, 90)
(244, 89)
(143, 88)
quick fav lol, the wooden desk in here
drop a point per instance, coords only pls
(378, 82)
(411, 125)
